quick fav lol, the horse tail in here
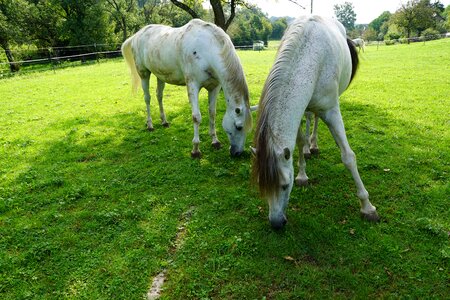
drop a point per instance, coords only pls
(355, 58)
(127, 53)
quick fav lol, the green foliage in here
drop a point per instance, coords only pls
(278, 28)
(250, 24)
(430, 34)
(91, 203)
(417, 15)
(345, 13)
(379, 25)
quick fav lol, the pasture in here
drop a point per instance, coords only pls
(93, 206)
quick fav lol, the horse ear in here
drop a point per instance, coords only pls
(254, 151)
(287, 153)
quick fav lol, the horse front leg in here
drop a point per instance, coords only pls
(212, 97)
(193, 90)
(333, 119)
(302, 178)
(159, 94)
(145, 83)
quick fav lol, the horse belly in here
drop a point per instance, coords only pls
(170, 76)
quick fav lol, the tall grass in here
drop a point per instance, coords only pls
(91, 203)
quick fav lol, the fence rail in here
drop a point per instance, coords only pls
(58, 58)
(53, 60)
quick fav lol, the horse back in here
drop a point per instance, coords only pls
(177, 54)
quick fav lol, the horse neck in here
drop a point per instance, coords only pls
(232, 79)
(284, 124)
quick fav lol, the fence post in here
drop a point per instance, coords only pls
(50, 58)
(96, 54)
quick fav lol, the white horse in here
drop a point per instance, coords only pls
(359, 43)
(198, 55)
(314, 65)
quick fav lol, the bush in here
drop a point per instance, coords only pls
(430, 34)
(389, 42)
(392, 35)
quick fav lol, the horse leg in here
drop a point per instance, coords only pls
(145, 82)
(314, 148)
(159, 94)
(212, 97)
(302, 178)
(305, 144)
(193, 90)
(333, 119)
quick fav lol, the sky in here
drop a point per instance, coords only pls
(366, 10)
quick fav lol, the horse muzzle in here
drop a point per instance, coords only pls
(278, 222)
(235, 151)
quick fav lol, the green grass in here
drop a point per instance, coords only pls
(91, 203)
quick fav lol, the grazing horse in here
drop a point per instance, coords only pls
(314, 65)
(198, 55)
(359, 43)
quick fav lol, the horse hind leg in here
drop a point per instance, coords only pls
(145, 82)
(302, 140)
(159, 94)
(193, 90)
(314, 148)
(306, 139)
(333, 119)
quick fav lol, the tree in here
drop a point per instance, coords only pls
(278, 28)
(379, 21)
(85, 22)
(446, 15)
(417, 15)
(46, 19)
(13, 27)
(345, 14)
(220, 18)
(123, 12)
(250, 24)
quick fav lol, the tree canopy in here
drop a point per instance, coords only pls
(62, 23)
(345, 13)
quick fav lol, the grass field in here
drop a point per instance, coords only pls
(92, 206)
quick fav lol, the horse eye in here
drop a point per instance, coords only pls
(285, 187)
(237, 110)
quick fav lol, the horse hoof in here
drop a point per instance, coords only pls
(150, 129)
(166, 125)
(314, 151)
(371, 217)
(217, 145)
(301, 182)
(307, 155)
(196, 155)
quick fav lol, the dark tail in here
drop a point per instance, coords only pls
(355, 59)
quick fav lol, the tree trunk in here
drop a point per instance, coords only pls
(12, 65)
(186, 8)
(219, 16)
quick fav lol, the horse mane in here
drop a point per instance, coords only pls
(265, 163)
(355, 58)
(235, 73)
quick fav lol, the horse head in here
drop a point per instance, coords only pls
(237, 123)
(275, 176)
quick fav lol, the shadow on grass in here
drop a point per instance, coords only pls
(97, 211)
